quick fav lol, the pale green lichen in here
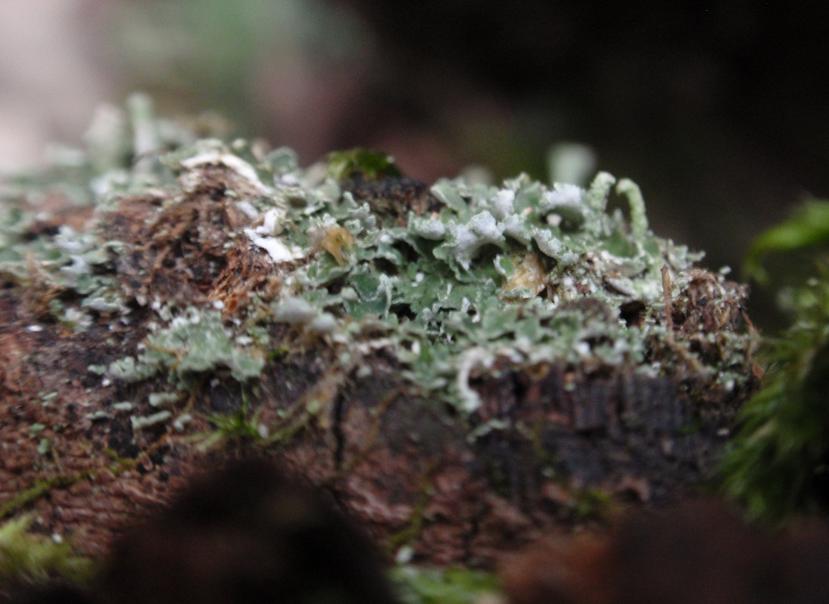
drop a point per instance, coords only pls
(638, 216)
(194, 341)
(494, 273)
(147, 421)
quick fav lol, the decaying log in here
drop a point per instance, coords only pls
(550, 444)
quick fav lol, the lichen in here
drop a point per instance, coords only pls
(195, 341)
(515, 274)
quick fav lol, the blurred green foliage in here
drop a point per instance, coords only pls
(778, 465)
(442, 586)
(365, 163)
(807, 227)
(215, 54)
(30, 558)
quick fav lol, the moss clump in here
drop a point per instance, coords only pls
(28, 558)
(361, 163)
(444, 586)
(778, 464)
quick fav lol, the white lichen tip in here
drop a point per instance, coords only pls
(432, 229)
(502, 203)
(248, 209)
(276, 248)
(469, 360)
(324, 323)
(482, 229)
(294, 311)
(562, 195)
(547, 243)
(228, 160)
(483, 224)
(139, 423)
(271, 222)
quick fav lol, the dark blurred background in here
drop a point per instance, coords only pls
(718, 110)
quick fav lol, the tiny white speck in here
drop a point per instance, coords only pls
(583, 348)
(323, 323)
(181, 421)
(271, 221)
(404, 555)
(248, 209)
(34, 328)
(178, 322)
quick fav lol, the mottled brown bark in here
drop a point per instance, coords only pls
(551, 448)
(569, 448)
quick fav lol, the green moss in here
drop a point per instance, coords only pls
(365, 163)
(443, 586)
(808, 227)
(241, 425)
(592, 504)
(26, 557)
(777, 466)
(33, 493)
(411, 532)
